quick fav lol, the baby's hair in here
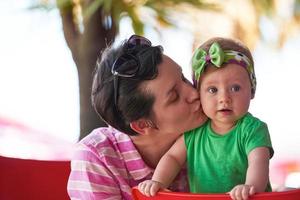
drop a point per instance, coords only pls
(229, 44)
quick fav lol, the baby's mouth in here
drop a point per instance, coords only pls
(225, 110)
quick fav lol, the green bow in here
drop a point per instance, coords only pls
(201, 58)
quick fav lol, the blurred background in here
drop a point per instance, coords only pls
(48, 51)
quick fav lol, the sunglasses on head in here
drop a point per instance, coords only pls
(127, 65)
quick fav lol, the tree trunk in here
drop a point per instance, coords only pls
(86, 46)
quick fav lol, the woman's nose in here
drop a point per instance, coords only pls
(192, 94)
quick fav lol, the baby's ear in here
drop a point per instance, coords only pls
(252, 94)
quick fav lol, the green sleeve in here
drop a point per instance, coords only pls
(258, 136)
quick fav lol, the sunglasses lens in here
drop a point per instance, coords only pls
(137, 40)
(126, 65)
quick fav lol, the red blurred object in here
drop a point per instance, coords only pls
(286, 195)
(22, 141)
(282, 167)
(33, 179)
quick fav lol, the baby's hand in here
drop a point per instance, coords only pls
(242, 192)
(149, 187)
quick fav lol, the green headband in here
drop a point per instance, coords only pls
(218, 57)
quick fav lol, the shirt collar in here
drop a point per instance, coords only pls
(134, 163)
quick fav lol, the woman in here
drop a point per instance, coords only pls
(146, 101)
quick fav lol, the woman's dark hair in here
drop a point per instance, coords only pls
(133, 100)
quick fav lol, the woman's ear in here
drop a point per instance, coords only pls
(142, 126)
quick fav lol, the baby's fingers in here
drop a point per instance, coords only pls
(245, 192)
(149, 187)
(252, 190)
(144, 187)
(239, 192)
(141, 187)
(154, 189)
(242, 192)
(235, 193)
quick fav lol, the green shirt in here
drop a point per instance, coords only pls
(217, 163)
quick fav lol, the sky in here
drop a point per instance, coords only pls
(38, 80)
(39, 83)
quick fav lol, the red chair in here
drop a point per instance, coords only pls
(33, 179)
(286, 195)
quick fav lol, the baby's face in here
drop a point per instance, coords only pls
(225, 93)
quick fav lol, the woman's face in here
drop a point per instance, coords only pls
(177, 105)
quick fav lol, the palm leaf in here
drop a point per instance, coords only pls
(92, 8)
(120, 8)
(264, 7)
(137, 24)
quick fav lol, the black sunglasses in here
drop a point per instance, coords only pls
(127, 65)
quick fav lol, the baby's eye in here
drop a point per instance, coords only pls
(235, 88)
(212, 90)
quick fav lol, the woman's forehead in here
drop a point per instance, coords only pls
(169, 64)
(168, 74)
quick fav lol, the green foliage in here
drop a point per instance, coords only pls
(264, 7)
(137, 24)
(92, 8)
(64, 3)
(118, 9)
(297, 8)
(42, 6)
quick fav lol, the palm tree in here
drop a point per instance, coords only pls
(90, 25)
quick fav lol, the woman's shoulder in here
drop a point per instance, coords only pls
(104, 140)
(104, 136)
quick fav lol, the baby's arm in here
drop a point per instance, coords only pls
(167, 169)
(257, 174)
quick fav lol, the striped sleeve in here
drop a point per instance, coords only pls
(90, 178)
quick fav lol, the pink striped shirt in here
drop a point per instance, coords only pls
(106, 165)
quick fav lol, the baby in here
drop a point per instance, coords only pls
(231, 151)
